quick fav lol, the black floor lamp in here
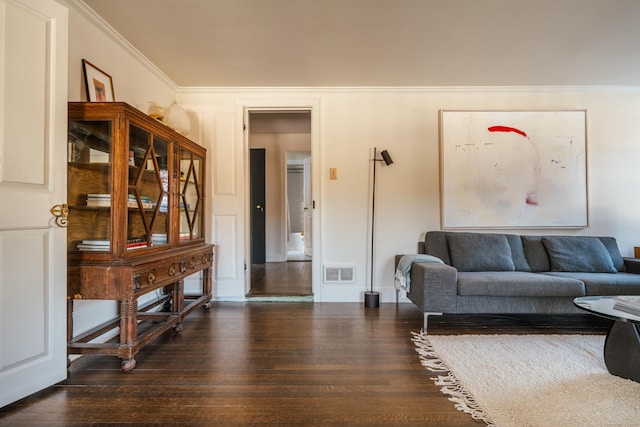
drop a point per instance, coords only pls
(371, 298)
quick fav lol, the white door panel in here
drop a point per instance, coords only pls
(33, 128)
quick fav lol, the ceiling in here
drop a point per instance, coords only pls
(334, 43)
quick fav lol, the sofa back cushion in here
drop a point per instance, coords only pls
(436, 244)
(535, 253)
(578, 253)
(612, 247)
(517, 253)
(480, 252)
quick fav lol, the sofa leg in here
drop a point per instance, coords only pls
(426, 318)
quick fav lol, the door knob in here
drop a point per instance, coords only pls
(260, 207)
(61, 213)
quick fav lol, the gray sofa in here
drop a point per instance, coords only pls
(508, 273)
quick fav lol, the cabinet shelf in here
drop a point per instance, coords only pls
(117, 156)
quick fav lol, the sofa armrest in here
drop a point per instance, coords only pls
(632, 265)
(434, 287)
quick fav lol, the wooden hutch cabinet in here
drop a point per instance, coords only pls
(135, 226)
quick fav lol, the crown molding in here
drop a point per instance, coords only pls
(407, 89)
(90, 15)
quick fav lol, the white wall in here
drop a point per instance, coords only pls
(405, 122)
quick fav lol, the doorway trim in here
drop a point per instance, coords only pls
(311, 105)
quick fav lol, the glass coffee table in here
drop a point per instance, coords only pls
(622, 345)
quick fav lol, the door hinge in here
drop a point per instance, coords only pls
(313, 204)
(244, 127)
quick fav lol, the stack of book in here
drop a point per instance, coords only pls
(146, 202)
(627, 304)
(95, 245)
(98, 200)
(104, 200)
(137, 243)
(159, 239)
(104, 245)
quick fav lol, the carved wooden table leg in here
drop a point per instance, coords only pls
(178, 302)
(206, 287)
(128, 332)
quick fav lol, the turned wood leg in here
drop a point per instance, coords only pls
(128, 332)
(622, 350)
(127, 365)
(178, 302)
(206, 287)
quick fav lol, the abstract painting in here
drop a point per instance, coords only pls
(510, 169)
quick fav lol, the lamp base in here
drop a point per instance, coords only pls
(371, 299)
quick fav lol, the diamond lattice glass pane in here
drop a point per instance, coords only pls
(190, 196)
(148, 218)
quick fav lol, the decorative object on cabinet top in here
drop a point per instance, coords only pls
(98, 84)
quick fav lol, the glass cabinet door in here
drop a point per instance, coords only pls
(148, 189)
(191, 196)
(89, 189)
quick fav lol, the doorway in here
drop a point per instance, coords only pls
(280, 196)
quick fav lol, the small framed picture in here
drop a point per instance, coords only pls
(98, 83)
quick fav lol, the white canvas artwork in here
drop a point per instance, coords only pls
(513, 169)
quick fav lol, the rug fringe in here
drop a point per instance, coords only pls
(462, 399)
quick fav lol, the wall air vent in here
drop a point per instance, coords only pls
(340, 273)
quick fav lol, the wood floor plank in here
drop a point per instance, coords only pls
(325, 364)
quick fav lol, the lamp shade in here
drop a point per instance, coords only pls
(177, 118)
(386, 157)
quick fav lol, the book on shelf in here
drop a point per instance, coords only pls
(105, 244)
(95, 248)
(159, 238)
(98, 200)
(627, 304)
(97, 242)
(137, 245)
(98, 203)
(104, 200)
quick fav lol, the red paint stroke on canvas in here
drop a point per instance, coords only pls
(507, 129)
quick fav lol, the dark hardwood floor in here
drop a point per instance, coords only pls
(261, 363)
(291, 278)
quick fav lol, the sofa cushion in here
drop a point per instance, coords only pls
(578, 253)
(435, 243)
(604, 283)
(612, 246)
(480, 252)
(517, 253)
(535, 253)
(518, 284)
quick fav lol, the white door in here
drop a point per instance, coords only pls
(33, 135)
(308, 209)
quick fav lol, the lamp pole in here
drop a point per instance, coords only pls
(372, 298)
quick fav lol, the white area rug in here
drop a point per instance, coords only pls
(531, 380)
